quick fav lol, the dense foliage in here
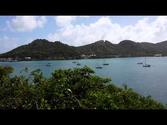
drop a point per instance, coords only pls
(41, 49)
(76, 88)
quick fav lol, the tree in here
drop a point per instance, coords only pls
(76, 88)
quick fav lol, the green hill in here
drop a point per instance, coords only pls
(41, 49)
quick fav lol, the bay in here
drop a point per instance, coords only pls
(146, 81)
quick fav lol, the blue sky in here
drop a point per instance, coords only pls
(80, 30)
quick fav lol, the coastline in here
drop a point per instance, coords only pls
(79, 58)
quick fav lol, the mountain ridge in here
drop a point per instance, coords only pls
(40, 49)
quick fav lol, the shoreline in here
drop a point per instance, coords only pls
(80, 58)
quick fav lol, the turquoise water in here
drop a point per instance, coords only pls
(146, 81)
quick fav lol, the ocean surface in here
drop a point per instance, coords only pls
(144, 80)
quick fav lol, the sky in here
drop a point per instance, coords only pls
(80, 30)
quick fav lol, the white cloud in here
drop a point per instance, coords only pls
(73, 32)
(26, 23)
(7, 43)
(64, 20)
(144, 30)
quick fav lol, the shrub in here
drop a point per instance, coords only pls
(76, 88)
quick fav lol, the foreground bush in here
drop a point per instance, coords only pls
(76, 88)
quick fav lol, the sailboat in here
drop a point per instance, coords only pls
(146, 65)
(105, 64)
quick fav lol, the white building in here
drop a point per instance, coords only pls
(27, 58)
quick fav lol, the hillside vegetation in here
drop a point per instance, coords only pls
(41, 49)
(77, 88)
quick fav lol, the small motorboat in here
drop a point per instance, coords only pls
(105, 64)
(78, 64)
(146, 65)
(48, 64)
(139, 63)
(99, 67)
(74, 62)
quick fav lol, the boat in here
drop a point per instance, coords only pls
(78, 64)
(48, 64)
(74, 62)
(139, 63)
(146, 65)
(105, 64)
(99, 67)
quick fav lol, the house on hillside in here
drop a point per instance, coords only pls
(88, 56)
(27, 58)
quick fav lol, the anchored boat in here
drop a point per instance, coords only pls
(145, 64)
